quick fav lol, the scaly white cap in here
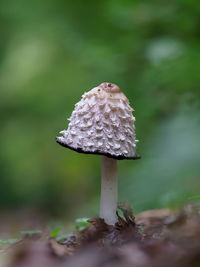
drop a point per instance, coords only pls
(102, 123)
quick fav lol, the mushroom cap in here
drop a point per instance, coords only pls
(102, 123)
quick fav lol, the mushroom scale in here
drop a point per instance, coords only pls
(102, 123)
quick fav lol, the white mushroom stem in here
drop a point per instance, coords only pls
(109, 190)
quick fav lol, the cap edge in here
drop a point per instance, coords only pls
(80, 150)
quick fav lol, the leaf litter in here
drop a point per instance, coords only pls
(157, 238)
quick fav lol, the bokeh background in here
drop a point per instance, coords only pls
(51, 52)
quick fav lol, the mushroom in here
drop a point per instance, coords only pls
(102, 123)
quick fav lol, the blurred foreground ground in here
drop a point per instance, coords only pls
(159, 238)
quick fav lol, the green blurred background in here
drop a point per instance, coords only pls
(51, 52)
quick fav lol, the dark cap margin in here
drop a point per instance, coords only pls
(96, 152)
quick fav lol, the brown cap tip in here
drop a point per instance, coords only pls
(110, 87)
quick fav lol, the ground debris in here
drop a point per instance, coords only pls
(167, 239)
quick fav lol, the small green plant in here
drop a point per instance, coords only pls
(54, 233)
(9, 241)
(59, 238)
(81, 224)
(30, 232)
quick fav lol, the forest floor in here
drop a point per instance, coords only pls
(155, 238)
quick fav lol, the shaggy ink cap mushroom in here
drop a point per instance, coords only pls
(102, 123)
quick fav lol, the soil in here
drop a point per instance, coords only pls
(157, 238)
